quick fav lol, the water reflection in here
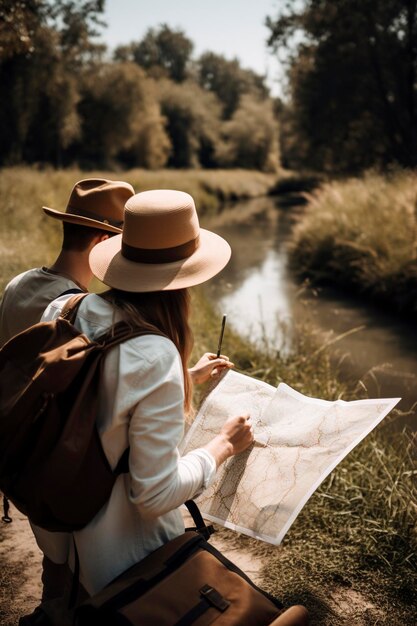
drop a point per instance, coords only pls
(260, 306)
(382, 353)
(259, 294)
(255, 289)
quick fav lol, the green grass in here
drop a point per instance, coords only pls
(361, 234)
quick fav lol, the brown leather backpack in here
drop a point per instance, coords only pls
(52, 465)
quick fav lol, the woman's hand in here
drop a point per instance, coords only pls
(209, 366)
(236, 435)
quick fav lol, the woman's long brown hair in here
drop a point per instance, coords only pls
(163, 311)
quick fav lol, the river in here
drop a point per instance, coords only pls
(265, 302)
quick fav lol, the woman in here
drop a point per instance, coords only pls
(146, 388)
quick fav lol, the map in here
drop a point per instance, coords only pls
(298, 442)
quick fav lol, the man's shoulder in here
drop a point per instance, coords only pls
(29, 275)
(38, 280)
(25, 299)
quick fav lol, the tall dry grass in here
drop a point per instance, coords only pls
(28, 238)
(362, 234)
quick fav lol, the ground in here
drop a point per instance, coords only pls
(20, 569)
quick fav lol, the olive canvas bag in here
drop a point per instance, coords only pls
(185, 582)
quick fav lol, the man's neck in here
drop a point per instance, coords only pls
(74, 265)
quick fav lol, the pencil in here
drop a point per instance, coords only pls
(219, 349)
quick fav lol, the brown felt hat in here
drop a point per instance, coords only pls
(96, 202)
(162, 246)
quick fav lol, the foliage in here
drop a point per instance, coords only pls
(42, 45)
(163, 53)
(22, 21)
(250, 137)
(119, 112)
(228, 81)
(62, 101)
(362, 234)
(193, 123)
(352, 82)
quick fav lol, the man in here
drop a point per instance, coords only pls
(94, 212)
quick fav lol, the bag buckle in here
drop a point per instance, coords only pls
(214, 598)
(204, 531)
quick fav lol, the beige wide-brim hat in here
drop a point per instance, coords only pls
(162, 246)
(97, 203)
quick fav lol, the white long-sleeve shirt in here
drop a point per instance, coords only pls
(140, 405)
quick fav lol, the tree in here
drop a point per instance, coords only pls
(352, 80)
(120, 116)
(251, 137)
(228, 80)
(42, 44)
(193, 123)
(163, 53)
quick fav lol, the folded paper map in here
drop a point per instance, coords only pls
(298, 442)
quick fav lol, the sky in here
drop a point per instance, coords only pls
(234, 28)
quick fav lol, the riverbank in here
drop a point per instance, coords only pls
(361, 235)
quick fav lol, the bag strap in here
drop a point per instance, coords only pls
(200, 525)
(6, 507)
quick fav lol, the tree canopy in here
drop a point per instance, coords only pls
(352, 82)
(228, 80)
(63, 100)
(162, 52)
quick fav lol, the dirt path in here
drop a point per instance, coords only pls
(20, 563)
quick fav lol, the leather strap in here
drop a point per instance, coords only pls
(119, 332)
(200, 525)
(70, 308)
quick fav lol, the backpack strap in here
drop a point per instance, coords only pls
(119, 332)
(71, 291)
(70, 308)
(122, 331)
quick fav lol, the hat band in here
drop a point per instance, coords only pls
(161, 255)
(93, 216)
